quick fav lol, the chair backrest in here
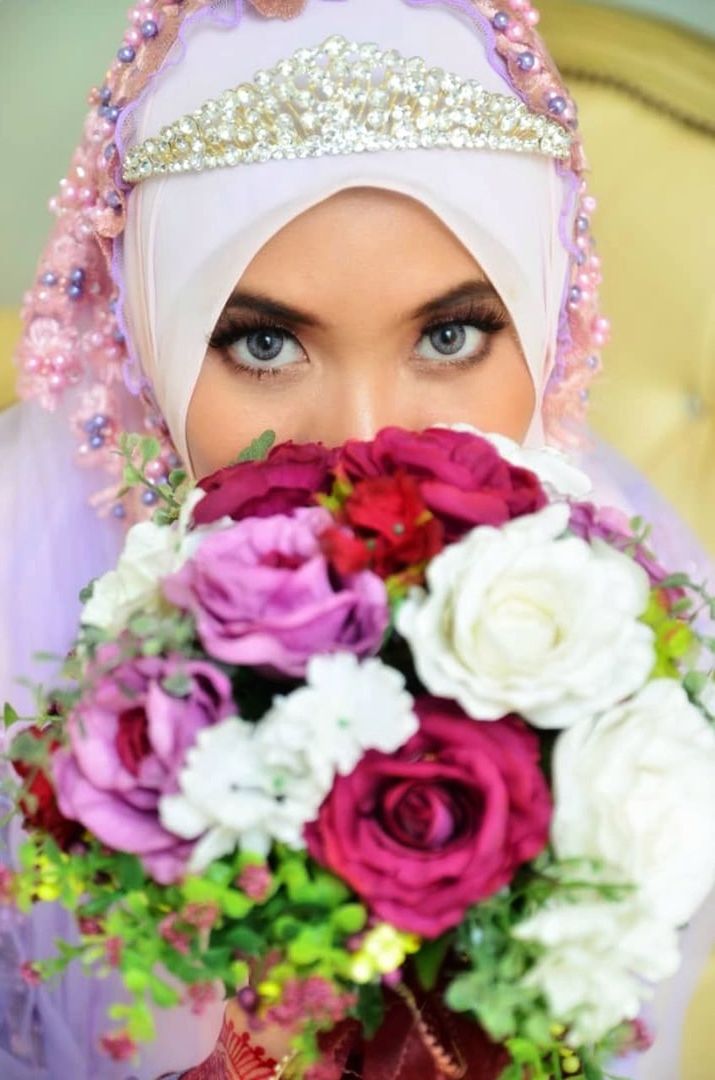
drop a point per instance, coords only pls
(646, 94)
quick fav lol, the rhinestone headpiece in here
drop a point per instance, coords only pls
(344, 98)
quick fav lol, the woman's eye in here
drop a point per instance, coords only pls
(454, 340)
(266, 348)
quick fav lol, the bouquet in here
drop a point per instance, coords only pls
(406, 744)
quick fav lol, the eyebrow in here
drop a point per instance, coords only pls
(260, 304)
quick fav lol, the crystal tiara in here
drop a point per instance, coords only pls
(344, 97)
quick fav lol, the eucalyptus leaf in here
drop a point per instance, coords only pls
(258, 449)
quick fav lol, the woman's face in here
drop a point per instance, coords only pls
(363, 311)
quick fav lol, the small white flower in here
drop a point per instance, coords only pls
(229, 797)
(346, 708)
(560, 477)
(635, 788)
(524, 619)
(151, 552)
(599, 957)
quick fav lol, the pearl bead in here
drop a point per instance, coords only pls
(49, 278)
(589, 204)
(574, 294)
(582, 223)
(105, 95)
(149, 497)
(526, 61)
(60, 362)
(111, 353)
(96, 339)
(31, 364)
(584, 279)
(77, 276)
(515, 31)
(146, 4)
(149, 29)
(556, 104)
(56, 381)
(113, 200)
(126, 54)
(69, 193)
(518, 5)
(112, 114)
(85, 196)
(96, 441)
(248, 999)
(155, 469)
(43, 296)
(75, 292)
(137, 16)
(599, 340)
(500, 20)
(592, 362)
(53, 205)
(602, 325)
(584, 395)
(532, 17)
(133, 38)
(109, 151)
(118, 511)
(118, 336)
(174, 460)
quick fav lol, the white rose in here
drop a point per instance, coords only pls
(523, 619)
(346, 708)
(555, 470)
(597, 955)
(636, 788)
(229, 797)
(151, 552)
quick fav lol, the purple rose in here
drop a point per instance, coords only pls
(128, 741)
(263, 595)
(292, 475)
(612, 525)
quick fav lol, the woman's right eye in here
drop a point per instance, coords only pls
(258, 350)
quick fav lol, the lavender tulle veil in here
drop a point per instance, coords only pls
(52, 540)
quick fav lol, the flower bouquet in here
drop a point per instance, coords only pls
(406, 744)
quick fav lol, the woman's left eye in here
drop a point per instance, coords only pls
(452, 341)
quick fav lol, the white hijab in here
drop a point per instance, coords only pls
(189, 237)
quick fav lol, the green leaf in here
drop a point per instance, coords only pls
(370, 1008)
(162, 993)
(244, 940)
(258, 449)
(129, 871)
(151, 449)
(9, 715)
(429, 960)
(349, 918)
(177, 685)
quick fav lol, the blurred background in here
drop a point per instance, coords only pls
(643, 73)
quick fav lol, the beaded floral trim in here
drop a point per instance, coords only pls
(74, 346)
(344, 98)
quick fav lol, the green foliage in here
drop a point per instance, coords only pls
(258, 449)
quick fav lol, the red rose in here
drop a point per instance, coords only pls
(291, 476)
(43, 813)
(390, 528)
(444, 822)
(461, 477)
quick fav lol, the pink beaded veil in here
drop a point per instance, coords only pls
(77, 359)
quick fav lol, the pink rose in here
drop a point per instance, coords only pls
(292, 475)
(128, 741)
(263, 595)
(461, 477)
(444, 822)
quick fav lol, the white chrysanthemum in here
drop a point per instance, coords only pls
(346, 708)
(555, 470)
(229, 797)
(599, 956)
(635, 789)
(524, 619)
(151, 552)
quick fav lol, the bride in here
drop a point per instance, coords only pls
(324, 294)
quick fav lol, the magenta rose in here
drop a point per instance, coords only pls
(263, 595)
(291, 476)
(444, 822)
(128, 739)
(461, 477)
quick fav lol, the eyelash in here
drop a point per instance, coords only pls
(229, 329)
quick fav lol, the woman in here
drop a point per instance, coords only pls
(322, 296)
